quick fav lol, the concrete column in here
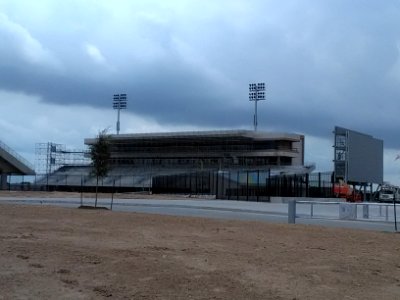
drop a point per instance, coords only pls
(3, 181)
(292, 211)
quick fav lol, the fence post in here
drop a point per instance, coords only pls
(209, 182)
(81, 190)
(307, 185)
(395, 214)
(197, 179)
(387, 212)
(292, 211)
(237, 185)
(216, 185)
(190, 185)
(247, 185)
(112, 195)
(312, 210)
(258, 184)
(9, 182)
(366, 211)
(229, 185)
(319, 185)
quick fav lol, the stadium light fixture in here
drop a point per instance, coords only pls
(119, 102)
(256, 93)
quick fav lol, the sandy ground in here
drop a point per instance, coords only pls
(66, 253)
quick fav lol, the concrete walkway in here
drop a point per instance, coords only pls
(325, 214)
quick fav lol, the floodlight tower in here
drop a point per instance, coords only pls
(119, 102)
(256, 93)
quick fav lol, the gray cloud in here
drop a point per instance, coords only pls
(325, 63)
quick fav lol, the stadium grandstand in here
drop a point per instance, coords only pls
(11, 163)
(137, 158)
(207, 150)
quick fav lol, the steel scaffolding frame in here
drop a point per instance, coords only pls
(52, 156)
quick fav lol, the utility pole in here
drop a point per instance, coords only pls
(119, 102)
(256, 93)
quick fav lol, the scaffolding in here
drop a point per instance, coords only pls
(49, 157)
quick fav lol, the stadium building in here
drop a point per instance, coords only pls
(205, 151)
(136, 159)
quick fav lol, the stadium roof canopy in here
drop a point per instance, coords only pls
(240, 135)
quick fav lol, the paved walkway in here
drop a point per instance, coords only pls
(325, 214)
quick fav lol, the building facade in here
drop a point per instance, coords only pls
(205, 150)
(358, 157)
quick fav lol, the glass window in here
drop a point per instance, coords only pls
(340, 141)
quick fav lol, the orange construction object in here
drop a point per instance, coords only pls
(345, 191)
(342, 190)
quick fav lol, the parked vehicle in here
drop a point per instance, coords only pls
(388, 194)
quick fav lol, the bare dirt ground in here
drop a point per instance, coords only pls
(64, 253)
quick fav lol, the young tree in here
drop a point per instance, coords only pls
(100, 155)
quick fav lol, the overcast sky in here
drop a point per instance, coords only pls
(186, 65)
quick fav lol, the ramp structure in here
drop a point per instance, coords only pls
(11, 163)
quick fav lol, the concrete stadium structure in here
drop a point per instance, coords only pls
(11, 163)
(205, 150)
(137, 158)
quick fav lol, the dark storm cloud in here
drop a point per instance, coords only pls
(325, 63)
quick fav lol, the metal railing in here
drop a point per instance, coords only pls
(18, 157)
(370, 210)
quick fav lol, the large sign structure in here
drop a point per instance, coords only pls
(358, 157)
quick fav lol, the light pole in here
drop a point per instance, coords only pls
(119, 102)
(256, 93)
